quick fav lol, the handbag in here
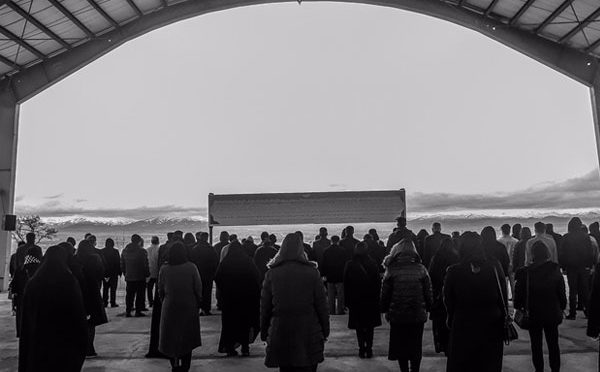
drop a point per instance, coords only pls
(510, 332)
(522, 315)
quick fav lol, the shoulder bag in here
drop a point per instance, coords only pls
(510, 332)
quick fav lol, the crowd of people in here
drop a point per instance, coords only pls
(285, 294)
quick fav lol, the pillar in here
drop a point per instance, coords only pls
(9, 122)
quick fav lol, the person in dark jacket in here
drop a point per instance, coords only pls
(319, 246)
(206, 260)
(432, 243)
(238, 280)
(516, 231)
(334, 262)
(376, 251)
(310, 254)
(362, 287)
(93, 273)
(23, 249)
(575, 255)
(112, 259)
(223, 242)
(294, 323)
(540, 290)
(264, 254)
(180, 289)
(189, 242)
(405, 299)
(420, 244)
(595, 231)
(348, 243)
(135, 268)
(474, 290)
(399, 233)
(445, 257)
(54, 329)
(31, 262)
(494, 249)
(518, 258)
(249, 246)
(593, 325)
(550, 231)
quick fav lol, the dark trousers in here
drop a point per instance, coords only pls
(537, 353)
(110, 284)
(182, 363)
(155, 326)
(150, 291)
(298, 369)
(579, 280)
(135, 290)
(91, 336)
(406, 345)
(207, 287)
(365, 338)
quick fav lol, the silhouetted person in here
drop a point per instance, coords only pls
(264, 254)
(135, 267)
(264, 237)
(238, 280)
(375, 235)
(112, 271)
(445, 257)
(375, 250)
(516, 231)
(518, 258)
(180, 288)
(225, 250)
(432, 243)
(71, 241)
(273, 239)
(23, 249)
(308, 250)
(420, 244)
(362, 287)
(32, 260)
(319, 246)
(550, 231)
(405, 299)
(206, 260)
(163, 258)
(223, 241)
(249, 246)
(493, 249)
(294, 323)
(509, 243)
(349, 242)
(334, 262)
(189, 241)
(540, 235)
(474, 290)
(540, 289)
(400, 232)
(54, 330)
(152, 252)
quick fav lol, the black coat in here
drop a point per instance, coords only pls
(93, 273)
(112, 262)
(496, 250)
(593, 326)
(334, 262)
(432, 244)
(261, 258)
(250, 248)
(377, 252)
(518, 257)
(576, 251)
(362, 286)
(206, 260)
(348, 245)
(547, 295)
(400, 234)
(438, 267)
(134, 263)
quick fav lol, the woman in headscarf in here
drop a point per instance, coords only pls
(474, 292)
(54, 329)
(362, 287)
(405, 299)
(93, 273)
(33, 258)
(180, 289)
(294, 319)
(238, 281)
(445, 257)
(493, 249)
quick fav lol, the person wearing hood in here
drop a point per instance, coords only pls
(494, 249)
(540, 290)
(334, 262)
(31, 262)
(475, 294)
(206, 260)
(294, 323)
(112, 261)
(445, 257)
(362, 287)
(54, 330)
(238, 280)
(431, 243)
(576, 257)
(135, 268)
(405, 299)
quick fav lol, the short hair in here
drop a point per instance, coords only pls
(349, 229)
(203, 235)
(367, 237)
(87, 235)
(505, 229)
(154, 240)
(109, 243)
(436, 226)
(178, 234)
(401, 221)
(335, 239)
(539, 227)
(273, 238)
(30, 238)
(264, 235)
(135, 238)
(233, 237)
(323, 231)
(71, 241)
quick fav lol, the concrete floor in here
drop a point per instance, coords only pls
(122, 343)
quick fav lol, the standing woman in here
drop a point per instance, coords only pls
(473, 294)
(54, 328)
(33, 258)
(180, 290)
(362, 287)
(405, 298)
(294, 319)
(445, 257)
(238, 281)
(93, 273)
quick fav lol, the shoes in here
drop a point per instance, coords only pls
(232, 353)
(369, 353)
(155, 355)
(91, 355)
(361, 354)
(145, 309)
(128, 314)
(139, 314)
(571, 316)
(114, 305)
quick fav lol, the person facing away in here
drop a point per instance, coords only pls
(576, 257)
(23, 249)
(264, 254)
(32, 261)
(334, 262)
(595, 247)
(293, 311)
(540, 290)
(550, 231)
(180, 288)
(420, 243)
(348, 243)
(249, 246)
(509, 243)
(541, 236)
(54, 330)
(405, 299)
(189, 241)
(493, 249)
(362, 288)
(273, 239)
(112, 260)
(152, 252)
(375, 250)
(445, 257)
(518, 257)
(310, 254)
(432, 243)
(135, 267)
(474, 292)
(239, 283)
(399, 233)
(375, 235)
(320, 245)
(223, 241)
(206, 260)
(516, 231)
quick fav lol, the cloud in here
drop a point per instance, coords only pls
(53, 197)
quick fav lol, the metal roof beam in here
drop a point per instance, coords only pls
(9, 35)
(583, 24)
(103, 13)
(39, 25)
(135, 8)
(10, 63)
(71, 17)
(521, 11)
(490, 8)
(164, 3)
(553, 15)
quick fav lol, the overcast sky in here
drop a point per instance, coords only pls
(317, 97)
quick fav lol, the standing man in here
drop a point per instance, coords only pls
(135, 267)
(112, 271)
(348, 243)
(334, 262)
(540, 235)
(319, 246)
(509, 243)
(432, 243)
(400, 232)
(153, 265)
(206, 260)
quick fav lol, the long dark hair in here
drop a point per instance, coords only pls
(177, 254)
